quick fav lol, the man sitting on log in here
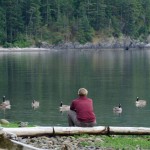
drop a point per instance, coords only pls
(81, 111)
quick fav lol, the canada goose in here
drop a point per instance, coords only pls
(117, 109)
(22, 124)
(5, 102)
(35, 104)
(64, 108)
(5, 105)
(140, 103)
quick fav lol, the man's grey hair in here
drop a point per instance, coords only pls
(82, 92)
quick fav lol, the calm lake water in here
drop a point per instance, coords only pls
(111, 77)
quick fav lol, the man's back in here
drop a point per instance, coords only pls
(83, 106)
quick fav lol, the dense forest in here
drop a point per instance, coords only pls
(24, 22)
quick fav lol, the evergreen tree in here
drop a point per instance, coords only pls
(2, 26)
(85, 31)
(46, 12)
(95, 10)
(33, 19)
(131, 16)
(145, 24)
(14, 23)
(65, 20)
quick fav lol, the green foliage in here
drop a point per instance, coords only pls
(57, 38)
(71, 20)
(7, 45)
(22, 43)
(13, 125)
(85, 32)
(116, 27)
(125, 142)
(119, 142)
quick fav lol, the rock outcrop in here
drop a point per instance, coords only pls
(125, 43)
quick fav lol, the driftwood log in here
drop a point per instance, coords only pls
(38, 131)
(129, 130)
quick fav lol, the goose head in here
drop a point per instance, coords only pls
(4, 98)
(119, 105)
(61, 103)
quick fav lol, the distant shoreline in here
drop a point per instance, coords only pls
(28, 49)
(124, 43)
(11, 50)
(77, 46)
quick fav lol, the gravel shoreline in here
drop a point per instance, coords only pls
(64, 142)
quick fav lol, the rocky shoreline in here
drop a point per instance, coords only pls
(64, 142)
(124, 43)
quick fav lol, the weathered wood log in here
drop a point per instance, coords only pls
(80, 130)
(29, 131)
(129, 130)
(38, 131)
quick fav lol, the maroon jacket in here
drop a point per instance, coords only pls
(83, 106)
